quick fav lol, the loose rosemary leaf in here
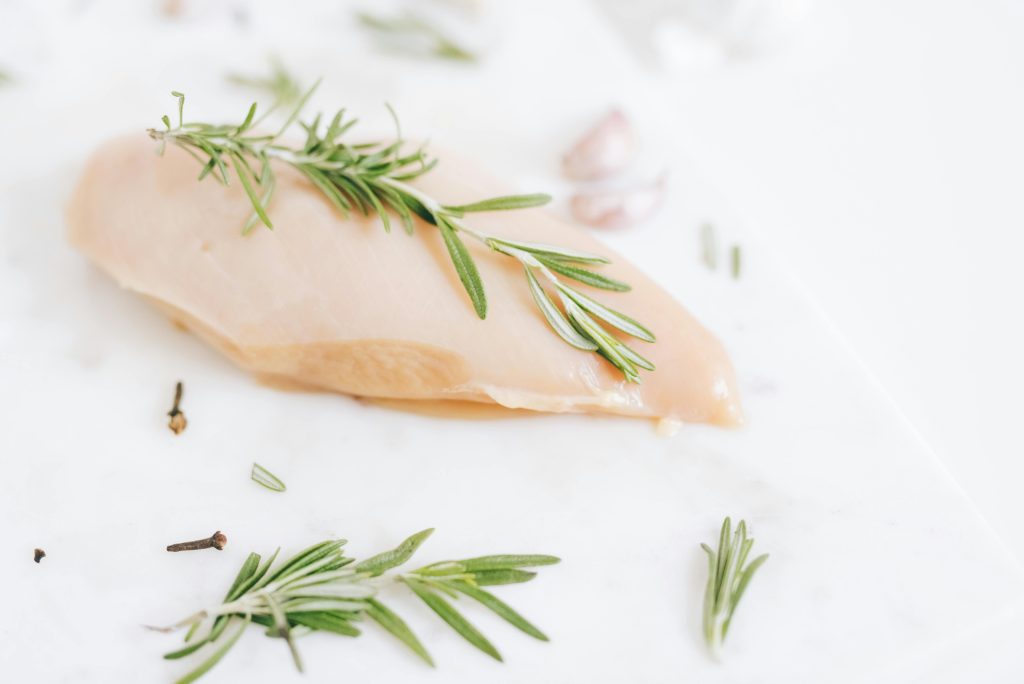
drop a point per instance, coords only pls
(265, 478)
(708, 246)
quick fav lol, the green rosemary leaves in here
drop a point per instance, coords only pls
(414, 35)
(282, 87)
(265, 478)
(728, 577)
(374, 178)
(320, 589)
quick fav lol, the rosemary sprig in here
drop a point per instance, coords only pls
(374, 178)
(320, 589)
(265, 478)
(728, 577)
(410, 30)
(283, 88)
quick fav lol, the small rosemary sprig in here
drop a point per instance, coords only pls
(320, 589)
(373, 178)
(728, 577)
(410, 31)
(283, 88)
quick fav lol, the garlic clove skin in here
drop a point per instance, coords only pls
(605, 149)
(620, 208)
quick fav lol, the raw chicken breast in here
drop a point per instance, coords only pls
(338, 304)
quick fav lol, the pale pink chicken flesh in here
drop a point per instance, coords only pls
(338, 304)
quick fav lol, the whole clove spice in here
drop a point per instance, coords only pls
(39, 555)
(218, 540)
(177, 421)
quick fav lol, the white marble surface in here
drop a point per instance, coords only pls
(878, 559)
(879, 150)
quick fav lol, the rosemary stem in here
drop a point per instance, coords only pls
(193, 619)
(431, 205)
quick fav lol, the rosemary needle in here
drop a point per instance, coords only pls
(728, 577)
(320, 589)
(708, 246)
(374, 178)
(265, 478)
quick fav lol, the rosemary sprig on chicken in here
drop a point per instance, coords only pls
(375, 178)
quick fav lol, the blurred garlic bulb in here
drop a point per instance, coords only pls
(618, 208)
(605, 149)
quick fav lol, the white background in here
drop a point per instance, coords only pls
(880, 149)
(875, 149)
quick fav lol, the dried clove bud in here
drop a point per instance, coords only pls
(218, 540)
(177, 421)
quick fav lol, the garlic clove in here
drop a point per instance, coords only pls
(605, 149)
(619, 208)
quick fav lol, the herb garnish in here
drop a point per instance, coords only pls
(280, 84)
(728, 577)
(265, 478)
(373, 178)
(320, 589)
(410, 31)
(735, 260)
